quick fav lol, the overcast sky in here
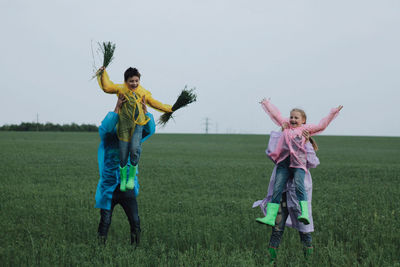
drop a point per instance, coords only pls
(309, 54)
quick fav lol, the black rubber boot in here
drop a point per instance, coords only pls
(135, 239)
(101, 239)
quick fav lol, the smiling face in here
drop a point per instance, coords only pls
(296, 119)
(133, 82)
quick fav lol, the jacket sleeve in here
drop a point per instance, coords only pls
(107, 85)
(108, 124)
(157, 105)
(273, 112)
(321, 126)
(273, 143)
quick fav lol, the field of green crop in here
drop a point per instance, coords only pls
(195, 203)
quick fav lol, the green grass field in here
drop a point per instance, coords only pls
(195, 202)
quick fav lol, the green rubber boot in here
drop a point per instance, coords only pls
(272, 254)
(304, 213)
(308, 252)
(131, 178)
(272, 212)
(123, 172)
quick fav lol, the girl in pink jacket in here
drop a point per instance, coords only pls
(290, 156)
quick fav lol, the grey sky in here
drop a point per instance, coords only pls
(310, 54)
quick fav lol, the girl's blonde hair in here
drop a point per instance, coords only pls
(314, 144)
(303, 114)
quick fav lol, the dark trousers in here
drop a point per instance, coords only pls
(278, 229)
(128, 202)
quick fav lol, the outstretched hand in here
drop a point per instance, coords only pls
(306, 135)
(285, 125)
(120, 101)
(100, 70)
(264, 99)
(143, 102)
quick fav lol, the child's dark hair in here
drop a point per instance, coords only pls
(130, 72)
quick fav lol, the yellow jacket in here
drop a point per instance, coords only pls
(128, 110)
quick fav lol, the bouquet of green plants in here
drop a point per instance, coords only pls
(186, 97)
(107, 50)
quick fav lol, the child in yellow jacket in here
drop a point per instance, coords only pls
(131, 119)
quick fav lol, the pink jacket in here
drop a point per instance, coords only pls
(292, 142)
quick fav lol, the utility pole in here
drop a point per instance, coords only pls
(207, 123)
(37, 122)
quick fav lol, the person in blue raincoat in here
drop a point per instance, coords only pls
(108, 193)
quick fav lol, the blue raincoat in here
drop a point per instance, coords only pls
(108, 159)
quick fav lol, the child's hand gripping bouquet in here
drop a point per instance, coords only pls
(186, 97)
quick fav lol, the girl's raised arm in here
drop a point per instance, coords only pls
(316, 129)
(273, 112)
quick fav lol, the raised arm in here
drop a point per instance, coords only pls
(316, 129)
(110, 121)
(106, 84)
(108, 124)
(273, 112)
(157, 105)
